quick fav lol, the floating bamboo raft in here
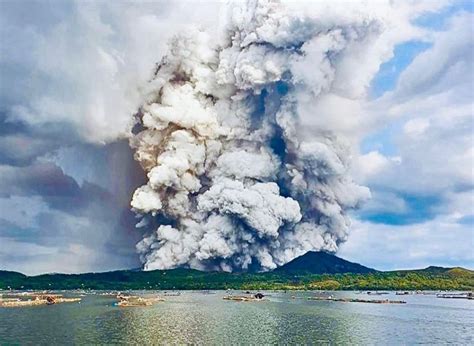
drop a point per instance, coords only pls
(468, 295)
(132, 301)
(42, 299)
(253, 298)
(356, 300)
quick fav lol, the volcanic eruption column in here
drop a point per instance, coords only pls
(239, 177)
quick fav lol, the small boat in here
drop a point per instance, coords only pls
(172, 294)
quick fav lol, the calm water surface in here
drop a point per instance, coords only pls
(198, 318)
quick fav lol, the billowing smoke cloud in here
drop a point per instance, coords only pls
(242, 173)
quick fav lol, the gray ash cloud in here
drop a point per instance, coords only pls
(239, 177)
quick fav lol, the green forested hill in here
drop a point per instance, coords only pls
(347, 276)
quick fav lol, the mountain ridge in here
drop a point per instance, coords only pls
(288, 267)
(310, 271)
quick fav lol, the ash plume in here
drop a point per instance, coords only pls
(239, 175)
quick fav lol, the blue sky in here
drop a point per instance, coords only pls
(58, 172)
(421, 207)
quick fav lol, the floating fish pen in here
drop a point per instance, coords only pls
(245, 298)
(108, 294)
(356, 300)
(454, 295)
(135, 301)
(37, 300)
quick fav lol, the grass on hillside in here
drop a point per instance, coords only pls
(436, 279)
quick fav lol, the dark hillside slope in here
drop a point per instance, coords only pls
(322, 263)
(11, 279)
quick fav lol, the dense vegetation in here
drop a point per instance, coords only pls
(313, 270)
(433, 278)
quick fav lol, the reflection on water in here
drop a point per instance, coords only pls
(196, 318)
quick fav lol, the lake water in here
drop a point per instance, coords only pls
(285, 318)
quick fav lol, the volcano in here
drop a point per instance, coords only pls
(320, 262)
